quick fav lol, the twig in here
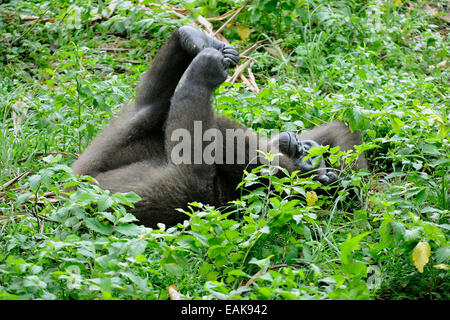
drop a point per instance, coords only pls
(252, 80)
(22, 17)
(29, 29)
(232, 17)
(239, 71)
(12, 181)
(262, 271)
(113, 49)
(253, 47)
(222, 17)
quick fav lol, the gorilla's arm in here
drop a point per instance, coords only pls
(332, 134)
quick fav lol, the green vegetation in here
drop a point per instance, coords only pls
(380, 66)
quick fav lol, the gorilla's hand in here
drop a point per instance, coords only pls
(327, 178)
(302, 151)
(298, 150)
(194, 41)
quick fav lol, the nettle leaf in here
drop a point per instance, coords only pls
(413, 235)
(262, 263)
(396, 123)
(23, 198)
(443, 254)
(35, 181)
(126, 198)
(128, 229)
(173, 269)
(83, 198)
(46, 177)
(350, 245)
(128, 217)
(104, 202)
(95, 225)
(108, 215)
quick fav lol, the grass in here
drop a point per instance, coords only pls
(382, 67)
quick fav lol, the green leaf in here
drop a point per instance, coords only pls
(21, 199)
(95, 225)
(350, 245)
(104, 202)
(129, 229)
(128, 217)
(442, 254)
(126, 198)
(173, 269)
(35, 181)
(396, 123)
(262, 263)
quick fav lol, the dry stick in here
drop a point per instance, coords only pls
(22, 17)
(252, 80)
(49, 194)
(232, 17)
(222, 17)
(10, 182)
(239, 71)
(249, 84)
(114, 49)
(207, 25)
(253, 47)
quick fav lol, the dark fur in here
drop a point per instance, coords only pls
(131, 154)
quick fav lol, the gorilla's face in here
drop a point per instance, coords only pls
(290, 145)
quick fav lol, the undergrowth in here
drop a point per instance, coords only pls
(380, 66)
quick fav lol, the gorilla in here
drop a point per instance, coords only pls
(140, 150)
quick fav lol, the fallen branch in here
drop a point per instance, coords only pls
(253, 47)
(222, 17)
(12, 181)
(232, 17)
(239, 70)
(11, 15)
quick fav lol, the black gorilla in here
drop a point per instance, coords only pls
(135, 152)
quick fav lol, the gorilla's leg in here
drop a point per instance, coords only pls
(162, 189)
(159, 82)
(190, 111)
(137, 134)
(165, 188)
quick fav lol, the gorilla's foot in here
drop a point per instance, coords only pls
(207, 69)
(194, 41)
